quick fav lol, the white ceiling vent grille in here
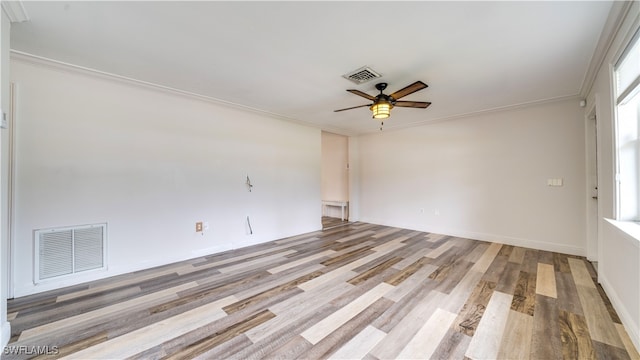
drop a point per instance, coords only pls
(67, 251)
(362, 75)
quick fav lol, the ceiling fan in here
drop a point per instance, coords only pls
(382, 104)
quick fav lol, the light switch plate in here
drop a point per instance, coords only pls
(555, 182)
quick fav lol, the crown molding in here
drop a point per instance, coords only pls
(617, 14)
(15, 11)
(498, 109)
(60, 65)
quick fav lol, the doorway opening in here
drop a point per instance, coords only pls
(335, 180)
(592, 186)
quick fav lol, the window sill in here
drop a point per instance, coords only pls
(632, 229)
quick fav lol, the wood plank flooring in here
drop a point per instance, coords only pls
(331, 222)
(349, 292)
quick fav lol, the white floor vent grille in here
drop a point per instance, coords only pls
(66, 251)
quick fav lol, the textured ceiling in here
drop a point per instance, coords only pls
(287, 58)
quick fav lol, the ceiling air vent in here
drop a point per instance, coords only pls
(361, 75)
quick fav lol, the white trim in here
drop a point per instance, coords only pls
(42, 61)
(618, 13)
(60, 65)
(15, 11)
(5, 335)
(508, 240)
(624, 45)
(591, 146)
(631, 229)
(623, 314)
(614, 141)
(519, 106)
(628, 93)
(631, 325)
(11, 177)
(112, 271)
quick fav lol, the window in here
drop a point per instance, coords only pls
(627, 78)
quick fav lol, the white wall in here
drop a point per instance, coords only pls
(486, 177)
(150, 163)
(619, 252)
(619, 274)
(335, 175)
(5, 330)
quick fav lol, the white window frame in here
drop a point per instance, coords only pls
(621, 97)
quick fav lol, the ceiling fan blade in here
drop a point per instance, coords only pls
(355, 107)
(364, 95)
(418, 85)
(413, 104)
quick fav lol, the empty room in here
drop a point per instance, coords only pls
(312, 180)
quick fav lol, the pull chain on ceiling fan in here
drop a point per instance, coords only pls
(382, 104)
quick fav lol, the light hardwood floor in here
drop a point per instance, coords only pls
(354, 291)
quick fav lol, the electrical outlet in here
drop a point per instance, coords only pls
(199, 226)
(437, 212)
(421, 210)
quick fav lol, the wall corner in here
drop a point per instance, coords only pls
(5, 334)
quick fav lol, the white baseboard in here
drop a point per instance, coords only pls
(26, 289)
(621, 309)
(508, 240)
(526, 243)
(6, 335)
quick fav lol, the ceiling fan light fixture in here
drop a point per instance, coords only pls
(382, 104)
(381, 110)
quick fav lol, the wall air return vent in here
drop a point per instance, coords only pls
(62, 252)
(362, 75)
